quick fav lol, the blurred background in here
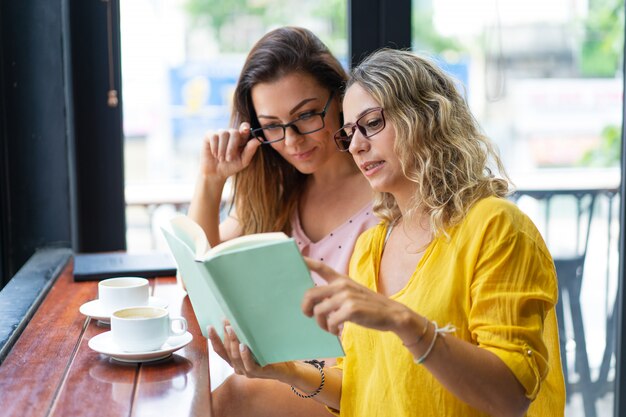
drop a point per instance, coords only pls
(543, 78)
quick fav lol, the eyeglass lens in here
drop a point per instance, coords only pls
(368, 124)
(307, 123)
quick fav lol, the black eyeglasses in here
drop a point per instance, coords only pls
(369, 124)
(307, 123)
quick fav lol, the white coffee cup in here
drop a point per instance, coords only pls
(117, 293)
(144, 329)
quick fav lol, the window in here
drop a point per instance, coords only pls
(545, 81)
(180, 64)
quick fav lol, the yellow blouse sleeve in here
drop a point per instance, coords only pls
(513, 288)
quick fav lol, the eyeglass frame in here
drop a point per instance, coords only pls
(354, 126)
(255, 132)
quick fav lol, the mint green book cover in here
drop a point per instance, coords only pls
(205, 306)
(259, 289)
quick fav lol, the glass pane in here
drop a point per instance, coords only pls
(180, 63)
(545, 81)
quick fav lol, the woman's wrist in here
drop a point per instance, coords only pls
(205, 205)
(411, 327)
(211, 181)
(300, 375)
(319, 365)
(209, 189)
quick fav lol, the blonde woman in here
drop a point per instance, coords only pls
(450, 309)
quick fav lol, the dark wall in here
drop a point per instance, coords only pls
(61, 146)
(373, 24)
(36, 186)
(97, 127)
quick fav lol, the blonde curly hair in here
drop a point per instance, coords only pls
(438, 141)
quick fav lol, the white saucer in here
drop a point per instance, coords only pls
(96, 311)
(103, 343)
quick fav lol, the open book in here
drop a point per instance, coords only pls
(257, 282)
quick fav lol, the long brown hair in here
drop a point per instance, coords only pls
(438, 141)
(266, 193)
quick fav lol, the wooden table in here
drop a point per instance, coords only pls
(51, 371)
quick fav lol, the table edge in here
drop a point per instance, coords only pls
(23, 294)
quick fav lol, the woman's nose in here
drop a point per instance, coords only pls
(292, 135)
(359, 143)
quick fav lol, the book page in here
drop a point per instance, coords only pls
(247, 241)
(191, 234)
(206, 306)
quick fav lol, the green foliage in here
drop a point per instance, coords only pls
(424, 35)
(602, 47)
(215, 13)
(335, 12)
(607, 154)
(602, 55)
(256, 17)
(426, 38)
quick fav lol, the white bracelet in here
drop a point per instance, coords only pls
(443, 330)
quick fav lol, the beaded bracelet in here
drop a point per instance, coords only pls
(320, 367)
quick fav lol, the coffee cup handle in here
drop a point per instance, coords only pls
(183, 326)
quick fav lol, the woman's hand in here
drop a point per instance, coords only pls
(240, 358)
(226, 152)
(457, 364)
(302, 375)
(344, 300)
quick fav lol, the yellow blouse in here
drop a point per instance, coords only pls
(494, 280)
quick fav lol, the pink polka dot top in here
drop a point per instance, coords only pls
(334, 249)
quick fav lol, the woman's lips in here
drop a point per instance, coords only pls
(370, 168)
(303, 155)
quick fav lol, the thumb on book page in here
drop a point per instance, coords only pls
(322, 269)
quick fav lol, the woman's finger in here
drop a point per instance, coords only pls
(224, 137)
(244, 129)
(212, 140)
(334, 322)
(337, 318)
(216, 343)
(235, 141)
(314, 296)
(249, 150)
(341, 286)
(233, 351)
(321, 316)
(322, 270)
(247, 359)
